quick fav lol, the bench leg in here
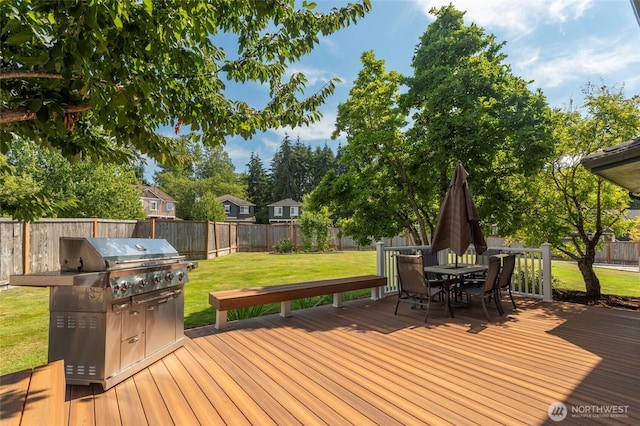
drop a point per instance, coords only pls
(221, 319)
(285, 308)
(337, 300)
(375, 293)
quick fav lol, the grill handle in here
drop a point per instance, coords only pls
(151, 259)
(167, 295)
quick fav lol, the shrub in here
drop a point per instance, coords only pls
(314, 226)
(284, 246)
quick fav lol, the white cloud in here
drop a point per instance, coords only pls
(313, 75)
(594, 57)
(321, 129)
(516, 17)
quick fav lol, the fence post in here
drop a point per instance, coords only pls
(268, 235)
(26, 247)
(95, 226)
(207, 225)
(215, 239)
(547, 295)
(380, 269)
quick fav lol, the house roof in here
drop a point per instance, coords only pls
(284, 203)
(619, 164)
(155, 192)
(235, 200)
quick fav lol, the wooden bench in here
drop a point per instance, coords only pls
(222, 301)
(34, 397)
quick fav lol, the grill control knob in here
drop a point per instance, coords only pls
(169, 277)
(142, 283)
(180, 276)
(124, 285)
(157, 279)
(116, 287)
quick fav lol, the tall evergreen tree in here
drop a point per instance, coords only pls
(296, 169)
(283, 180)
(322, 161)
(258, 188)
(302, 156)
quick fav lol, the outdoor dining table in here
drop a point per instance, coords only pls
(454, 273)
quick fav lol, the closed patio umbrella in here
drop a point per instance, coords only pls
(458, 222)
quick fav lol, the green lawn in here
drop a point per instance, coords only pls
(566, 275)
(260, 269)
(24, 312)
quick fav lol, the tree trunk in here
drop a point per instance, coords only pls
(591, 281)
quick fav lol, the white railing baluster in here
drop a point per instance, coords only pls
(532, 276)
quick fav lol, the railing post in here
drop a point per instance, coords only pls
(380, 269)
(547, 295)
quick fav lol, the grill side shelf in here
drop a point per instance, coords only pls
(56, 278)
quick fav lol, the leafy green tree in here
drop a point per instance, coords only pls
(104, 190)
(207, 207)
(379, 190)
(314, 226)
(76, 74)
(129, 67)
(572, 208)
(209, 170)
(74, 189)
(468, 106)
(258, 189)
(23, 198)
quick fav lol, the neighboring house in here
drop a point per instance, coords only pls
(237, 209)
(156, 203)
(284, 211)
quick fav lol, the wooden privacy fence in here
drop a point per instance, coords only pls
(33, 247)
(622, 252)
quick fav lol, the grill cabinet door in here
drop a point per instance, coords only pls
(160, 319)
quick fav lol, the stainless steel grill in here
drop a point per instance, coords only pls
(116, 306)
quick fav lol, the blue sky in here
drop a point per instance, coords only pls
(559, 44)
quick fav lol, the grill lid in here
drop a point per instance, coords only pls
(99, 254)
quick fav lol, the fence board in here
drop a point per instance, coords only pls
(10, 248)
(253, 237)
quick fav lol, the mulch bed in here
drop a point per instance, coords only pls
(606, 301)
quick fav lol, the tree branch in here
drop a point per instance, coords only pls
(8, 75)
(12, 116)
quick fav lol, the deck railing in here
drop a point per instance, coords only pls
(531, 276)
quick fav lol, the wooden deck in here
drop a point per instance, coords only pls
(362, 365)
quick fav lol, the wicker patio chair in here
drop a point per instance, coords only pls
(488, 287)
(413, 287)
(504, 281)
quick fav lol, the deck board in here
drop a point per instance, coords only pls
(107, 410)
(12, 387)
(362, 365)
